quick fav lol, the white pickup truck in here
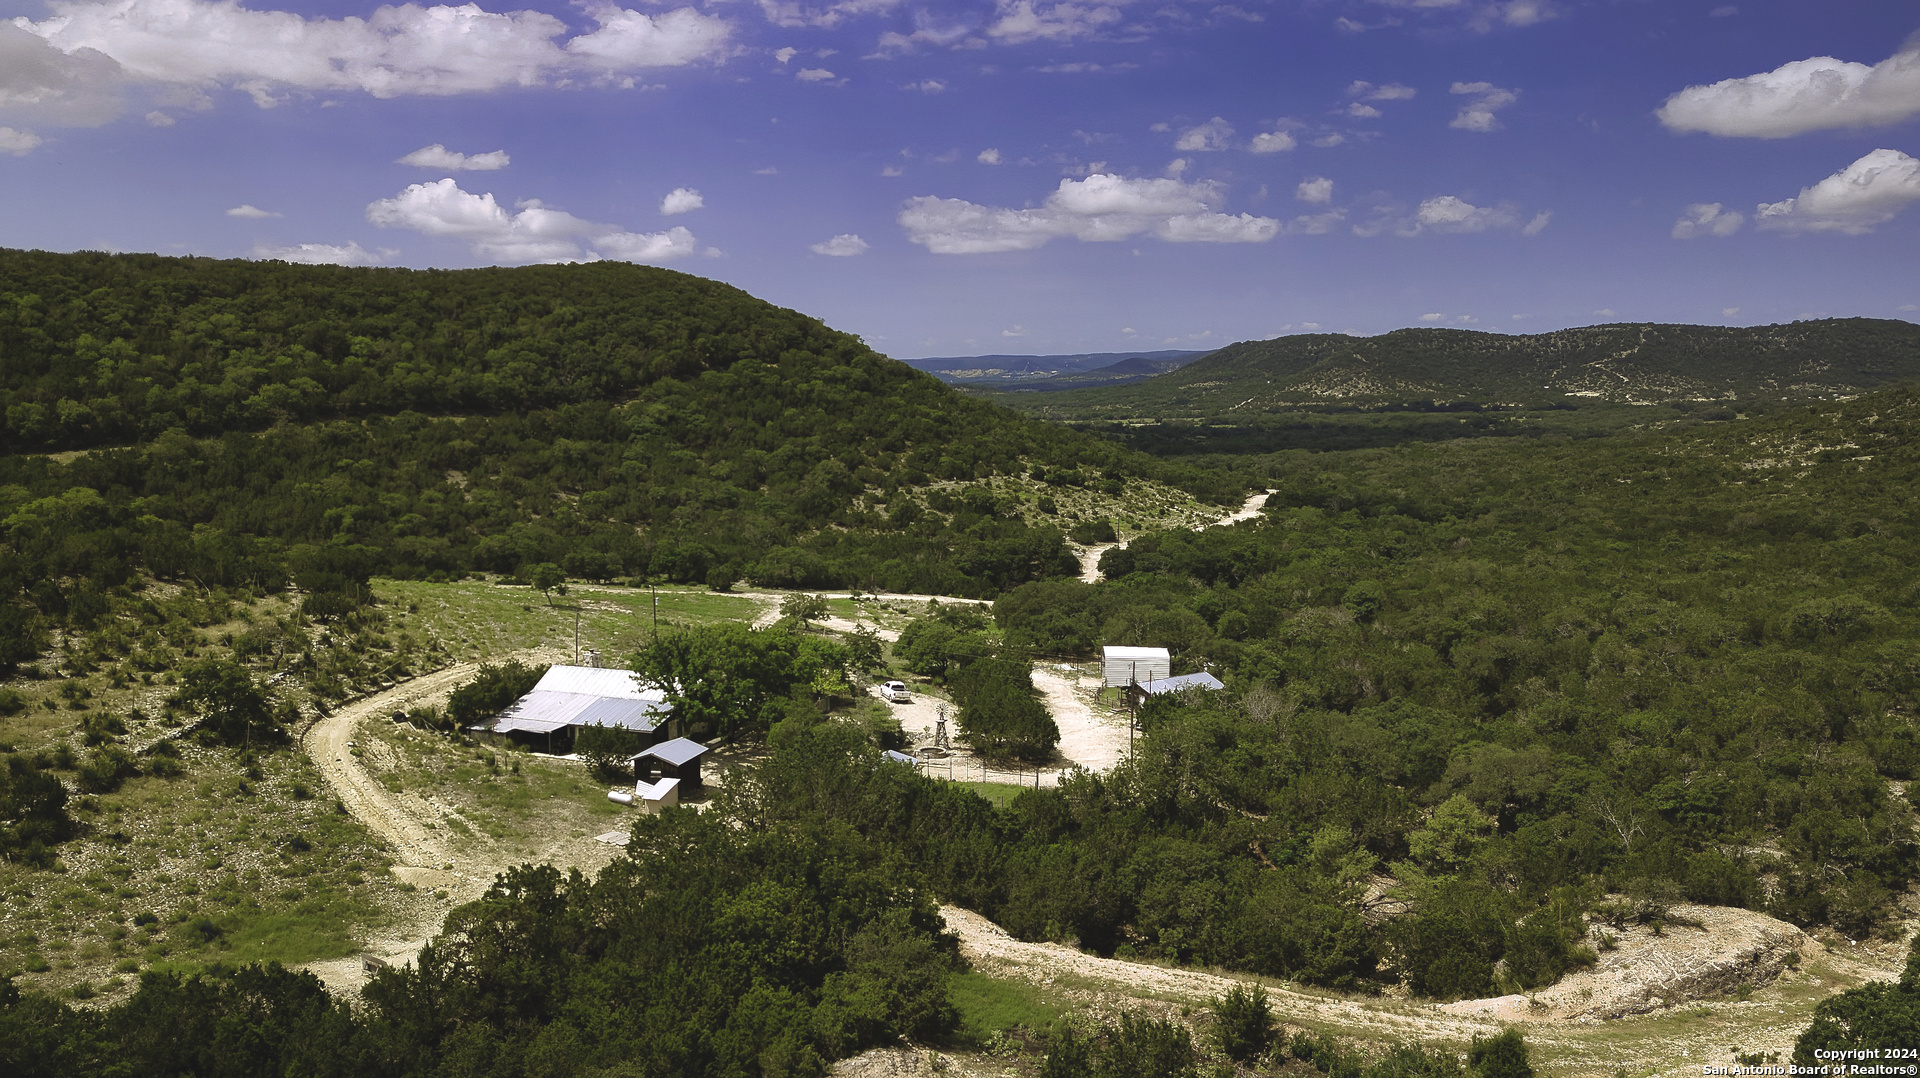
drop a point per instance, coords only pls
(895, 692)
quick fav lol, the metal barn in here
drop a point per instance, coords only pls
(1121, 667)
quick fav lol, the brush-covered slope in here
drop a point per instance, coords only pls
(1625, 364)
(245, 421)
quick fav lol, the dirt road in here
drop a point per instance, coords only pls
(1088, 738)
(1090, 555)
(444, 871)
(398, 818)
(1672, 1041)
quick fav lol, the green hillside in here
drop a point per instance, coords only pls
(1331, 391)
(238, 424)
(1625, 364)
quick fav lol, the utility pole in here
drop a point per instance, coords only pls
(576, 636)
(1133, 710)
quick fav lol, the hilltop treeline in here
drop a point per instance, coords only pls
(1439, 368)
(243, 425)
(1516, 679)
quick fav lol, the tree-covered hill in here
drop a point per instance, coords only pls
(237, 423)
(100, 349)
(1626, 364)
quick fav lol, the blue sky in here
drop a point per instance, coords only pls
(1012, 175)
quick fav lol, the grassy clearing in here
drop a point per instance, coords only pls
(989, 1005)
(1000, 793)
(479, 619)
(243, 860)
(501, 805)
(1142, 505)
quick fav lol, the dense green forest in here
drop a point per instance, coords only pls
(1519, 678)
(243, 426)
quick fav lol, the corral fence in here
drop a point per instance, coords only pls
(973, 769)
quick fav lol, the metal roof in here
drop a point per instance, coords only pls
(656, 791)
(593, 681)
(541, 712)
(902, 758)
(676, 752)
(1184, 681)
(1141, 654)
(640, 715)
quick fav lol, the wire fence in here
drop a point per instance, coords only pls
(973, 769)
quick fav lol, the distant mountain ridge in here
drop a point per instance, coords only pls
(1620, 363)
(1048, 373)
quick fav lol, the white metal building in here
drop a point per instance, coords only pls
(569, 697)
(1125, 666)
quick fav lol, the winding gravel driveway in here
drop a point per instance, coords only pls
(398, 818)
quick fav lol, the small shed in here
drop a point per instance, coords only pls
(1121, 667)
(655, 796)
(676, 759)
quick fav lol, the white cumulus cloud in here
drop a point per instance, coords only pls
(1022, 21)
(1480, 16)
(1707, 219)
(1806, 95)
(43, 84)
(406, 49)
(1212, 135)
(1479, 114)
(681, 200)
(1392, 91)
(988, 156)
(534, 234)
(628, 40)
(1855, 200)
(1319, 189)
(1316, 224)
(1448, 213)
(251, 212)
(17, 142)
(815, 74)
(323, 254)
(845, 245)
(1273, 142)
(1101, 207)
(440, 158)
(791, 13)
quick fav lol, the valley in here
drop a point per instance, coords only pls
(1585, 713)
